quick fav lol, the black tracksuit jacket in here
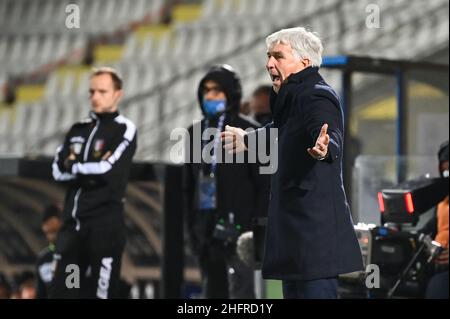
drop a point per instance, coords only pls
(97, 182)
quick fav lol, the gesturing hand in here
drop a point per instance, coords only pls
(320, 150)
(233, 138)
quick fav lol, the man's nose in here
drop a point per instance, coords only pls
(270, 63)
(208, 95)
(94, 96)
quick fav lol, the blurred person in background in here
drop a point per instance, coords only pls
(220, 199)
(260, 105)
(25, 286)
(95, 161)
(245, 108)
(50, 226)
(438, 228)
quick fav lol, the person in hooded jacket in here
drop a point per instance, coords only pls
(221, 199)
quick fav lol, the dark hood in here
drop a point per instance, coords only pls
(230, 83)
(443, 152)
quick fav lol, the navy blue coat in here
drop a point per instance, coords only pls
(310, 232)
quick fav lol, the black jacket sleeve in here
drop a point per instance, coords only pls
(262, 188)
(261, 181)
(252, 139)
(112, 168)
(59, 169)
(320, 108)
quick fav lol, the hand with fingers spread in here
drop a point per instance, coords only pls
(320, 150)
(233, 139)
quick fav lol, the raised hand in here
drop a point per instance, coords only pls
(320, 150)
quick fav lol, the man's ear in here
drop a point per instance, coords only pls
(306, 63)
(119, 94)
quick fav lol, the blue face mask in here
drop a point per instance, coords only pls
(213, 107)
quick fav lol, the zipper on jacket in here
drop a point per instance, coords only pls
(88, 144)
(78, 193)
(74, 210)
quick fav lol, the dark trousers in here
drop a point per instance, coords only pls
(437, 287)
(95, 252)
(310, 289)
(226, 277)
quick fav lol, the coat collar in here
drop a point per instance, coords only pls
(303, 74)
(103, 116)
(280, 103)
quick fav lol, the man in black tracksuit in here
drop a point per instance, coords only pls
(95, 160)
(216, 208)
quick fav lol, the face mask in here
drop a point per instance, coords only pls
(213, 107)
(445, 174)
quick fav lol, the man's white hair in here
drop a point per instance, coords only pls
(304, 44)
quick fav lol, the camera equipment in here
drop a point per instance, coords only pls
(408, 200)
(227, 231)
(405, 254)
(431, 248)
(401, 257)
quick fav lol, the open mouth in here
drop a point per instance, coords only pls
(275, 77)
